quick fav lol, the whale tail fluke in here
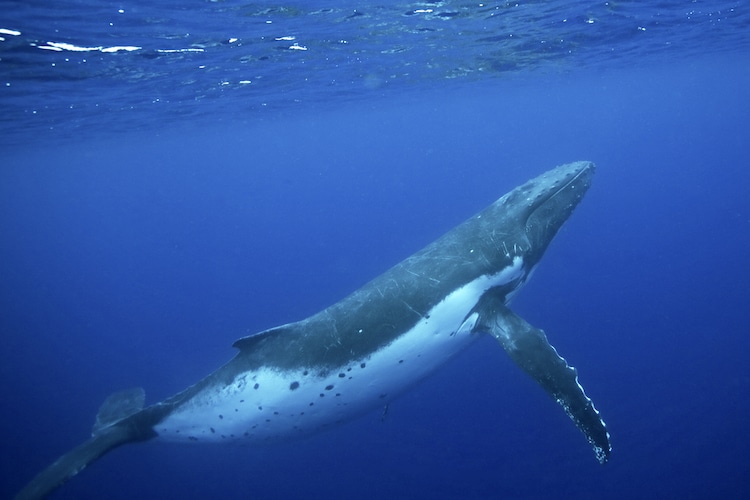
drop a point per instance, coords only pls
(112, 428)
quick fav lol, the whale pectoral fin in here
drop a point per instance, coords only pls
(529, 349)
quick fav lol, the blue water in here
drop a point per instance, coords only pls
(158, 203)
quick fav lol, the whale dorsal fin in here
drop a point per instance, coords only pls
(252, 341)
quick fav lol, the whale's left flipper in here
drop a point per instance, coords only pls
(530, 350)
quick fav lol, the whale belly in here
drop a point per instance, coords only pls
(270, 404)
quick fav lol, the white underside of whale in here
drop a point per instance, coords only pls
(270, 404)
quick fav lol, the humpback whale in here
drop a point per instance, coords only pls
(361, 352)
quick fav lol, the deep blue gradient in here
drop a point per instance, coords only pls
(134, 253)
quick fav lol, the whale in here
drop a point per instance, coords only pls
(363, 351)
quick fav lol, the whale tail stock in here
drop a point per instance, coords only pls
(117, 423)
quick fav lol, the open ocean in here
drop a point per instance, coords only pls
(177, 175)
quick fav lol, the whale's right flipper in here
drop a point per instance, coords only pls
(529, 349)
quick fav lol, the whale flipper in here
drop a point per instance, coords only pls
(529, 349)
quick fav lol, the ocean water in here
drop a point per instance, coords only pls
(176, 175)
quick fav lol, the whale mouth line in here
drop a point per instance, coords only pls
(568, 183)
(549, 194)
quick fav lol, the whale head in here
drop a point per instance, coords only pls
(552, 198)
(511, 235)
(541, 206)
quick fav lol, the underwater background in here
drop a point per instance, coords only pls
(176, 175)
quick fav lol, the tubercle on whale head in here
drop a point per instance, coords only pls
(520, 226)
(543, 204)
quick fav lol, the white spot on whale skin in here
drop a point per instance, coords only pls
(283, 404)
